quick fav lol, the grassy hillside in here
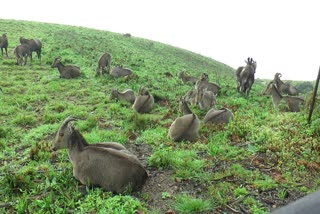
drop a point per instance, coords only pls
(261, 160)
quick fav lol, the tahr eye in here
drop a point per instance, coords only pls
(61, 134)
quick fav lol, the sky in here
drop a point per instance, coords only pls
(281, 36)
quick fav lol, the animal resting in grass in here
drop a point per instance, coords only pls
(119, 71)
(144, 102)
(127, 95)
(185, 127)
(245, 76)
(68, 71)
(35, 45)
(107, 165)
(187, 78)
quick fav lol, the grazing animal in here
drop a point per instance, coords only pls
(22, 52)
(4, 44)
(308, 204)
(68, 71)
(111, 167)
(293, 103)
(245, 76)
(187, 78)
(185, 127)
(203, 83)
(206, 99)
(144, 102)
(127, 95)
(119, 71)
(35, 45)
(219, 116)
(191, 96)
(284, 88)
(104, 62)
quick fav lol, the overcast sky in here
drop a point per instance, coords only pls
(282, 36)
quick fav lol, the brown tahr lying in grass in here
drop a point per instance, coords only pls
(22, 52)
(104, 64)
(218, 116)
(187, 78)
(66, 71)
(35, 45)
(4, 44)
(110, 167)
(185, 127)
(127, 95)
(144, 102)
(119, 71)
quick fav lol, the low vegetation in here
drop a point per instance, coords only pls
(262, 159)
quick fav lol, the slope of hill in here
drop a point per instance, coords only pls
(262, 159)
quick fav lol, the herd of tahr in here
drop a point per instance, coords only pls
(111, 166)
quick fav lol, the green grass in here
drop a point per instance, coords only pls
(261, 151)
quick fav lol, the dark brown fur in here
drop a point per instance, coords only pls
(245, 76)
(104, 64)
(22, 52)
(284, 88)
(4, 44)
(35, 45)
(68, 71)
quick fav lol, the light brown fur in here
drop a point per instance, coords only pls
(187, 78)
(203, 83)
(111, 167)
(218, 116)
(144, 102)
(206, 99)
(185, 128)
(120, 72)
(127, 95)
(191, 96)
